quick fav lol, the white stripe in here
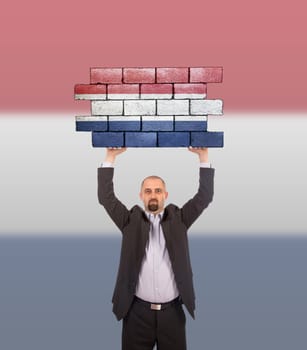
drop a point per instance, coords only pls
(189, 96)
(91, 118)
(125, 119)
(173, 107)
(191, 118)
(123, 96)
(90, 96)
(107, 108)
(140, 107)
(253, 183)
(156, 96)
(157, 118)
(206, 107)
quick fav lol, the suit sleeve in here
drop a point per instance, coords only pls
(114, 207)
(195, 206)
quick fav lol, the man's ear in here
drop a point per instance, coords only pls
(166, 195)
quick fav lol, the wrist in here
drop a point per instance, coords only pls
(203, 159)
(109, 160)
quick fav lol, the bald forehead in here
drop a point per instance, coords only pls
(153, 182)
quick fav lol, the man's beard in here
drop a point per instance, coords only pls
(153, 205)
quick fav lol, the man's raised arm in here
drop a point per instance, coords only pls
(194, 207)
(114, 207)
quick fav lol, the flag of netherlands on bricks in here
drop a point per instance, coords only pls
(150, 107)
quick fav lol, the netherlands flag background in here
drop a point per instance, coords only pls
(59, 250)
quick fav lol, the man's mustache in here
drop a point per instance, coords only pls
(153, 200)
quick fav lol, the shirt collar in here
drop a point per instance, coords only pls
(160, 215)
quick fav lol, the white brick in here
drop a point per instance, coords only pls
(206, 107)
(142, 107)
(107, 107)
(173, 107)
(91, 118)
(90, 97)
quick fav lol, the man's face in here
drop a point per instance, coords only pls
(153, 195)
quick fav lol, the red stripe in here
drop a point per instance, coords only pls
(90, 89)
(139, 75)
(49, 46)
(106, 75)
(123, 89)
(172, 75)
(156, 89)
(190, 88)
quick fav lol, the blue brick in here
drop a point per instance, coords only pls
(141, 139)
(107, 139)
(124, 125)
(173, 139)
(207, 139)
(158, 125)
(190, 125)
(91, 126)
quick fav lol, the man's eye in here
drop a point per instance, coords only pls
(147, 191)
(158, 190)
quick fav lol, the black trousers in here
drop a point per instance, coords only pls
(144, 328)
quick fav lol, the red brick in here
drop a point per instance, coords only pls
(206, 75)
(90, 89)
(139, 75)
(123, 89)
(156, 89)
(172, 75)
(106, 75)
(184, 89)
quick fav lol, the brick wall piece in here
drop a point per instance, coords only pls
(123, 91)
(86, 123)
(106, 75)
(125, 123)
(173, 139)
(158, 123)
(172, 75)
(150, 107)
(107, 107)
(197, 123)
(172, 107)
(207, 139)
(90, 92)
(107, 139)
(140, 107)
(139, 75)
(191, 91)
(141, 139)
(156, 91)
(206, 75)
(206, 107)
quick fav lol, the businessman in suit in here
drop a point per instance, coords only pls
(155, 275)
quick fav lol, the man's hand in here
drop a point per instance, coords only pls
(113, 152)
(202, 153)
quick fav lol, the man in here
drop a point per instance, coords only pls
(154, 276)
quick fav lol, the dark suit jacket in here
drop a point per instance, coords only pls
(135, 226)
